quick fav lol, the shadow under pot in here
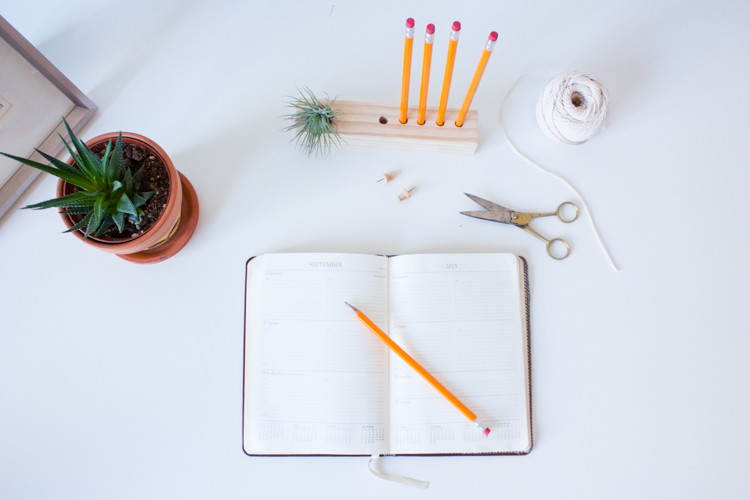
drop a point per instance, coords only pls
(170, 215)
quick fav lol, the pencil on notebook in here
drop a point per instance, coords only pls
(426, 61)
(452, 46)
(408, 42)
(418, 368)
(477, 77)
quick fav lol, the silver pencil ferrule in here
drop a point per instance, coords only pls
(429, 37)
(490, 45)
(454, 35)
(480, 425)
(410, 32)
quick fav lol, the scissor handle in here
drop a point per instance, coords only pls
(563, 220)
(522, 218)
(567, 247)
(531, 230)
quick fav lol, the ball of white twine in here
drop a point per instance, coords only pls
(596, 97)
(572, 107)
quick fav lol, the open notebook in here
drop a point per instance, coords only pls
(317, 382)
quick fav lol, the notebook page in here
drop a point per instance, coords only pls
(316, 380)
(459, 317)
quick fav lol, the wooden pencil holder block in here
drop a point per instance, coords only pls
(370, 125)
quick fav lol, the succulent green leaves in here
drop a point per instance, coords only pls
(115, 164)
(126, 206)
(76, 179)
(79, 199)
(96, 217)
(83, 222)
(107, 189)
(140, 199)
(119, 220)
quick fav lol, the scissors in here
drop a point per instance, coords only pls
(497, 213)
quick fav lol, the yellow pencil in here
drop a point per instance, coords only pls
(428, 38)
(418, 368)
(477, 77)
(452, 46)
(407, 69)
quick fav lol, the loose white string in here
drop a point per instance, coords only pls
(529, 160)
(416, 483)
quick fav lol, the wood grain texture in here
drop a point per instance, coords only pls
(360, 125)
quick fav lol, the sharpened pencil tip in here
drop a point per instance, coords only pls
(353, 308)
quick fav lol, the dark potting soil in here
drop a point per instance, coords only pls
(154, 178)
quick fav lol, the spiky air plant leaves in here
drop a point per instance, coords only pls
(315, 123)
(107, 190)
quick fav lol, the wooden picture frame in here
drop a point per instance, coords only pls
(82, 110)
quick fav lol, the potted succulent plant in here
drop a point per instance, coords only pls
(128, 199)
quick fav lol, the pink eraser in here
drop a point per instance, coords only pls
(487, 431)
(493, 36)
(430, 29)
(456, 26)
(410, 23)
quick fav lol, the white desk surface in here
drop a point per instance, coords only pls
(641, 380)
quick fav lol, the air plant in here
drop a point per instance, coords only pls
(315, 123)
(107, 189)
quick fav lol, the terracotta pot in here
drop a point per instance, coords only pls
(165, 224)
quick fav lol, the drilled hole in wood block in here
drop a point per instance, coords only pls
(363, 124)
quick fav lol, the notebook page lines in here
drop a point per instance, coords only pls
(457, 315)
(320, 382)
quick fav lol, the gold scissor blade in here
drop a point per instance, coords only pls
(503, 217)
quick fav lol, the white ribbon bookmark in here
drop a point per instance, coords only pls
(396, 479)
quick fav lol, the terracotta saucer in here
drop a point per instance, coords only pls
(188, 222)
